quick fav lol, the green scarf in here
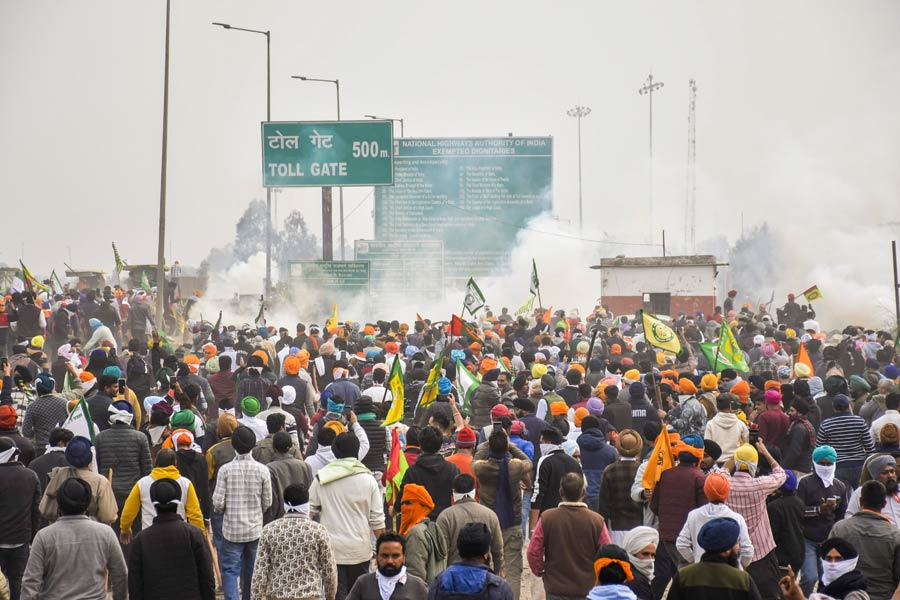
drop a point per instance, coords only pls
(340, 468)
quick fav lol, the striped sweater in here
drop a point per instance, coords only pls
(848, 435)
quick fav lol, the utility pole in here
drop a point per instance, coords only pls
(161, 242)
(579, 112)
(648, 88)
(690, 185)
(896, 287)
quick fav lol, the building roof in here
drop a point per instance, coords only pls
(704, 260)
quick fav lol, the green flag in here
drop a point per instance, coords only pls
(395, 384)
(145, 283)
(430, 389)
(526, 308)
(467, 384)
(120, 264)
(474, 299)
(261, 315)
(535, 282)
(725, 354)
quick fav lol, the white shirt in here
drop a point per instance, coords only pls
(350, 509)
(891, 510)
(687, 540)
(890, 416)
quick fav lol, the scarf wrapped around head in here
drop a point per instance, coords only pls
(415, 505)
(746, 458)
(120, 412)
(504, 502)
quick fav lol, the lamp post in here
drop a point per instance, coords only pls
(579, 112)
(161, 247)
(268, 118)
(388, 119)
(647, 89)
(337, 87)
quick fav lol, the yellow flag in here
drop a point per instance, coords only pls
(395, 384)
(659, 460)
(660, 335)
(331, 323)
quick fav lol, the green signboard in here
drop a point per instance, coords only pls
(473, 194)
(331, 278)
(403, 271)
(327, 153)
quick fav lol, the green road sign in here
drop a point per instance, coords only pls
(474, 194)
(327, 153)
(331, 278)
(403, 271)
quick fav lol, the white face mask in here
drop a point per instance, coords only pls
(825, 473)
(833, 570)
(645, 566)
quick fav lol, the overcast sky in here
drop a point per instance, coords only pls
(796, 112)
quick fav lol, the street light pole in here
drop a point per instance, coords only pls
(337, 87)
(648, 88)
(161, 247)
(266, 33)
(388, 119)
(578, 112)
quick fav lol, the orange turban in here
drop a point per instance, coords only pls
(291, 365)
(716, 487)
(209, 350)
(580, 414)
(772, 385)
(559, 408)
(687, 386)
(615, 349)
(415, 505)
(263, 355)
(709, 382)
(86, 376)
(337, 426)
(303, 357)
(577, 367)
(741, 389)
(369, 330)
(475, 347)
(225, 425)
(486, 365)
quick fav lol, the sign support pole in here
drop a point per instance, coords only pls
(327, 243)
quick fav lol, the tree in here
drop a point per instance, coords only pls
(753, 261)
(295, 242)
(250, 231)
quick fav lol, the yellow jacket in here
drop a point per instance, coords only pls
(139, 500)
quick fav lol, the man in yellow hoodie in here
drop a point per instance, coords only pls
(139, 498)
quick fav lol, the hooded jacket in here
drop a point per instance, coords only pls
(468, 580)
(435, 474)
(322, 457)
(611, 592)
(728, 432)
(139, 500)
(596, 455)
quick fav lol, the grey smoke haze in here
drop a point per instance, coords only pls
(796, 122)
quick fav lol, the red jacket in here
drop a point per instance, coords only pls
(679, 491)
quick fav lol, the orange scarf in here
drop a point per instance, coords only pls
(602, 563)
(414, 507)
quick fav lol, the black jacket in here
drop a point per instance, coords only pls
(170, 559)
(642, 412)
(552, 469)
(811, 490)
(797, 454)
(377, 435)
(19, 502)
(618, 413)
(484, 398)
(192, 465)
(436, 475)
(98, 406)
(786, 518)
(712, 579)
(124, 451)
(45, 463)
(26, 448)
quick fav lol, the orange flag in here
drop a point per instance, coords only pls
(803, 357)
(547, 314)
(660, 459)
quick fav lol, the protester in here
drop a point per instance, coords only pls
(716, 488)
(19, 521)
(75, 557)
(391, 578)
(432, 471)
(426, 547)
(876, 539)
(466, 509)
(717, 575)
(348, 503)
(641, 544)
(294, 558)
(170, 558)
(613, 575)
(615, 504)
(243, 493)
(840, 576)
(471, 576)
(564, 540)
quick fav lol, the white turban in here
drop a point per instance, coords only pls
(288, 395)
(638, 538)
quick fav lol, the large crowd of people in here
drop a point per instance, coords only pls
(381, 460)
